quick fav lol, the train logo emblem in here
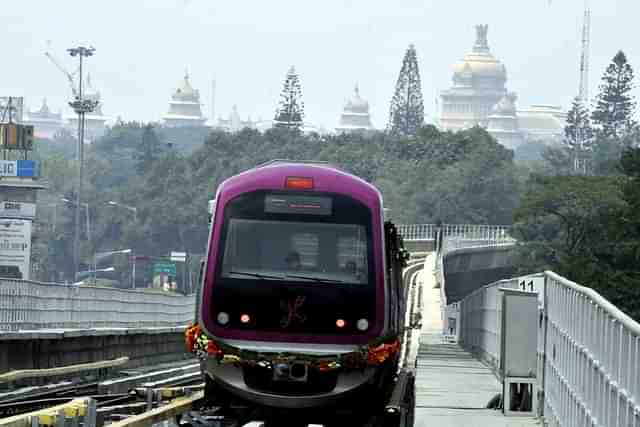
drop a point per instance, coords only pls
(291, 309)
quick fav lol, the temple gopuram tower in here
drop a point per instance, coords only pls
(45, 122)
(478, 85)
(184, 107)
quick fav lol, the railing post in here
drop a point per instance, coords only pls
(545, 320)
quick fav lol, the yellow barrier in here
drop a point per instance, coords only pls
(62, 370)
(149, 418)
(48, 416)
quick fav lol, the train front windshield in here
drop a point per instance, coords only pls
(279, 250)
(277, 246)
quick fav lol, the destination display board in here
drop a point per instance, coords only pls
(15, 246)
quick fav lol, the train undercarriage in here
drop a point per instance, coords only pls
(388, 403)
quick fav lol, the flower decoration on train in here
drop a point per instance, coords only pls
(376, 352)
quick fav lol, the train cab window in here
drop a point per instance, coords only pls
(295, 251)
(306, 246)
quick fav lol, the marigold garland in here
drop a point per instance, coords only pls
(375, 353)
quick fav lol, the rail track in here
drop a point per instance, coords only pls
(123, 393)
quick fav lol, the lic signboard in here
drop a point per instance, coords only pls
(19, 168)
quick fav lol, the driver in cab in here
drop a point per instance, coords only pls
(293, 261)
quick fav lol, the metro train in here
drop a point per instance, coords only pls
(301, 305)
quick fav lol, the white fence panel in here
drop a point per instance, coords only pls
(28, 305)
(588, 350)
(412, 232)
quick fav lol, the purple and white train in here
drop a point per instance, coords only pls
(302, 269)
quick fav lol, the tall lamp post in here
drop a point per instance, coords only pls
(86, 209)
(100, 255)
(131, 208)
(81, 106)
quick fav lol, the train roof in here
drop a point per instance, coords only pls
(327, 177)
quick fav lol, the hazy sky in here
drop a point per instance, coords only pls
(144, 46)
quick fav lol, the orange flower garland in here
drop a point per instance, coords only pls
(375, 353)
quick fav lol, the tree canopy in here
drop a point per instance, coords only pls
(290, 112)
(457, 177)
(406, 114)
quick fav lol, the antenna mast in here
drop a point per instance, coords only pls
(580, 160)
(584, 57)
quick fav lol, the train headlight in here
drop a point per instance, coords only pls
(223, 318)
(362, 324)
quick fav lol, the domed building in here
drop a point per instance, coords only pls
(479, 97)
(45, 122)
(478, 85)
(503, 122)
(355, 116)
(184, 107)
(235, 123)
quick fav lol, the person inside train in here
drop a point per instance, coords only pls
(293, 261)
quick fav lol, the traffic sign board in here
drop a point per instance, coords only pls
(164, 267)
(178, 256)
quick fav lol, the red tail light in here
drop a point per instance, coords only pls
(299, 183)
(340, 323)
(245, 318)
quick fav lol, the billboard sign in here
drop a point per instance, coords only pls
(19, 168)
(178, 256)
(15, 246)
(164, 267)
(17, 210)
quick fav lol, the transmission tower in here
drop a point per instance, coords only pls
(584, 57)
(581, 158)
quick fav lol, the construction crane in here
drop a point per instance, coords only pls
(70, 76)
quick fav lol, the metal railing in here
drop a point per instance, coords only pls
(28, 305)
(451, 244)
(411, 232)
(588, 366)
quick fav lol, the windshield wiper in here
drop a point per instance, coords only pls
(315, 279)
(258, 275)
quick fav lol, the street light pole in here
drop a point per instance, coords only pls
(122, 205)
(81, 107)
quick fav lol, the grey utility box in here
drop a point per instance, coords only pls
(518, 353)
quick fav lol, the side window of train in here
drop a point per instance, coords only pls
(307, 246)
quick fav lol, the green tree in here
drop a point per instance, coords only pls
(578, 137)
(615, 105)
(290, 112)
(577, 132)
(407, 108)
(149, 150)
(630, 165)
(581, 227)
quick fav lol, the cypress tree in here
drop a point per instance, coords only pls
(407, 107)
(578, 131)
(615, 105)
(578, 136)
(290, 112)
